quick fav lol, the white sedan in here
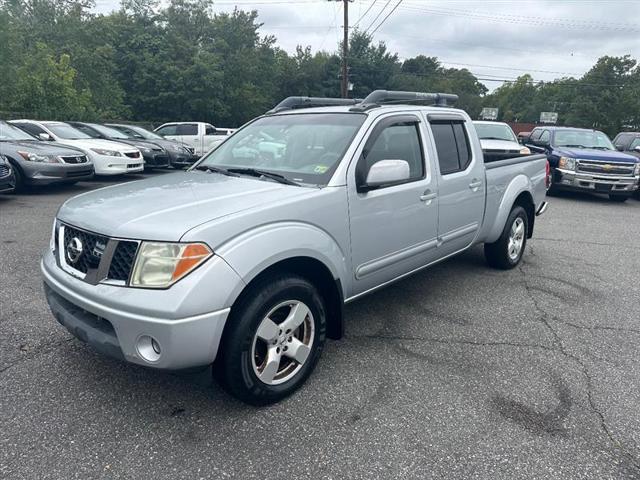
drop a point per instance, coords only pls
(109, 158)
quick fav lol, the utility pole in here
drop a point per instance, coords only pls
(344, 86)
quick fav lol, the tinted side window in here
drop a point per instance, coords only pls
(30, 128)
(635, 143)
(397, 141)
(168, 130)
(209, 130)
(187, 129)
(452, 145)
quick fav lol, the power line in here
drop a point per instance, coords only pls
(365, 13)
(377, 16)
(385, 18)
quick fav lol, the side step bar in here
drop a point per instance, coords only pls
(542, 209)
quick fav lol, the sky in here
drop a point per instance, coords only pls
(496, 40)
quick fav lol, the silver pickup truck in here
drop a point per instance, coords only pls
(247, 259)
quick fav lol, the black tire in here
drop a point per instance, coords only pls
(234, 365)
(19, 186)
(618, 198)
(497, 253)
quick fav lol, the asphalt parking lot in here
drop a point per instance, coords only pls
(457, 372)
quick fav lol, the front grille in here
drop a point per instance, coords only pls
(91, 252)
(74, 159)
(4, 170)
(605, 168)
(101, 258)
(133, 154)
(122, 261)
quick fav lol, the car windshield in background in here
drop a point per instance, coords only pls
(304, 148)
(144, 133)
(582, 139)
(108, 131)
(66, 131)
(496, 131)
(10, 133)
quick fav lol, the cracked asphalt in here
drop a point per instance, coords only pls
(460, 371)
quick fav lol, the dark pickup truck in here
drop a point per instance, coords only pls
(583, 159)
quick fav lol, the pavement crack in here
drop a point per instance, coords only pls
(545, 317)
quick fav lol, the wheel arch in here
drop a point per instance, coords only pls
(518, 192)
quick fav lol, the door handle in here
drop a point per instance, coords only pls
(475, 184)
(427, 196)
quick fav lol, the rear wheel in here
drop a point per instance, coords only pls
(273, 341)
(618, 198)
(507, 251)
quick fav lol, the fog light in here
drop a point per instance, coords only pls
(148, 348)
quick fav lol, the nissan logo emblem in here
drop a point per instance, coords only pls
(74, 250)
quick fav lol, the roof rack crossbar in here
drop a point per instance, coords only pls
(380, 97)
(291, 103)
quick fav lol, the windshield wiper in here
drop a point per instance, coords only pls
(263, 173)
(572, 146)
(210, 169)
(599, 147)
(496, 138)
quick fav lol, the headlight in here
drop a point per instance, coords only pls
(108, 153)
(525, 151)
(35, 157)
(567, 163)
(636, 172)
(159, 265)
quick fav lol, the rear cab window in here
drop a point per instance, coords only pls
(452, 145)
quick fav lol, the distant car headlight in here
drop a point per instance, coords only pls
(567, 163)
(36, 157)
(525, 151)
(160, 265)
(108, 153)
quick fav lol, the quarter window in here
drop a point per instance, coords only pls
(187, 129)
(452, 145)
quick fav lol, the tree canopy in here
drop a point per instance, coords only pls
(178, 60)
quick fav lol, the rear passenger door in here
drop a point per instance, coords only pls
(393, 228)
(461, 183)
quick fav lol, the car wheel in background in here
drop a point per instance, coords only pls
(19, 186)
(507, 251)
(273, 339)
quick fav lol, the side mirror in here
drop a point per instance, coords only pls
(386, 172)
(636, 149)
(45, 137)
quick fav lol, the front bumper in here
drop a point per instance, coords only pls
(47, 174)
(115, 320)
(105, 165)
(7, 182)
(156, 159)
(182, 160)
(568, 179)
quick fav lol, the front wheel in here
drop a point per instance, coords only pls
(618, 198)
(507, 251)
(273, 341)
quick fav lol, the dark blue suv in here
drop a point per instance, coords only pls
(583, 159)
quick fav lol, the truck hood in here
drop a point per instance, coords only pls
(593, 154)
(490, 144)
(167, 206)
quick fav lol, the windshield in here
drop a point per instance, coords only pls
(108, 131)
(304, 148)
(582, 139)
(144, 133)
(9, 132)
(495, 131)
(66, 131)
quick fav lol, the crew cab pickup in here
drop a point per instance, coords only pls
(586, 160)
(247, 258)
(201, 136)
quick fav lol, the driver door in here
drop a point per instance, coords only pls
(393, 228)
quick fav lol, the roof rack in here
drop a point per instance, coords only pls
(291, 103)
(379, 97)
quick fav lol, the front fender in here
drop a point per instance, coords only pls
(253, 251)
(521, 183)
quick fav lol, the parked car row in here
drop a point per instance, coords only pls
(35, 152)
(579, 159)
